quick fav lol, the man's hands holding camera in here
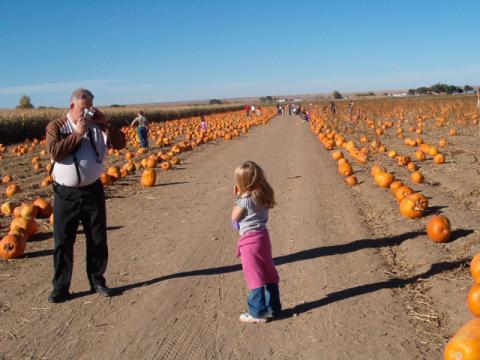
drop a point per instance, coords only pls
(92, 116)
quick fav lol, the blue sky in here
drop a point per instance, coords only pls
(153, 51)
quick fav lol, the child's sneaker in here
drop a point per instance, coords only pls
(247, 318)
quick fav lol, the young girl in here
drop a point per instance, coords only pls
(250, 216)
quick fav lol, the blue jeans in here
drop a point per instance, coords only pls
(143, 136)
(264, 300)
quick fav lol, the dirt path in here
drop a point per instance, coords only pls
(182, 290)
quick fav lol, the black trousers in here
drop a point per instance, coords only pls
(70, 206)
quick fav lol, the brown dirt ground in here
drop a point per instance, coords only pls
(357, 280)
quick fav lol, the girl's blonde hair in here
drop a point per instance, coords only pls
(249, 177)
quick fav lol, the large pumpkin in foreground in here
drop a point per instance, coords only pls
(465, 345)
(438, 229)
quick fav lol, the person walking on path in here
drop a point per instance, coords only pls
(76, 144)
(249, 217)
(142, 129)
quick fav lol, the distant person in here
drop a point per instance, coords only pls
(351, 105)
(279, 109)
(333, 108)
(142, 129)
(249, 217)
(246, 108)
(203, 123)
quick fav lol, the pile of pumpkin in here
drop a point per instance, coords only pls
(465, 344)
(23, 226)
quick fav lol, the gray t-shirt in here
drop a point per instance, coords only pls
(254, 217)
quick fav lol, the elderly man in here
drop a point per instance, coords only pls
(77, 143)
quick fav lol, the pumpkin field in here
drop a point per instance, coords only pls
(374, 233)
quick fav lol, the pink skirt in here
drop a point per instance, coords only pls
(255, 251)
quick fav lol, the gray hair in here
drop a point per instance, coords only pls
(82, 93)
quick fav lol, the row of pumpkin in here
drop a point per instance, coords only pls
(465, 344)
(24, 224)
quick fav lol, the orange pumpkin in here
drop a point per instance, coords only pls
(438, 229)
(175, 161)
(12, 246)
(403, 160)
(475, 269)
(7, 209)
(29, 226)
(148, 178)
(432, 151)
(384, 179)
(6, 179)
(375, 170)
(44, 207)
(342, 161)
(28, 211)
(465, 345)
(473, 300)
(391, 154)
(439, 159)
(351, 180)
(337, 155)
(114, 172)
(417, 177)
(105, 179)
(402, 192)
(12, 189)
(420, 155)
(165, 165)
(421, 201)
(152, 162)
(46, 182)
(411, 166)
(409, 209)
(395, 185)
(345, 169)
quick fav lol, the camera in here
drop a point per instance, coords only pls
(88, 113)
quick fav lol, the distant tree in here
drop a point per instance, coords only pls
(215, 101)
(116, 105)
(468, 88)
(25, 103)
(269, 98)
(336, 95)
(411, 91)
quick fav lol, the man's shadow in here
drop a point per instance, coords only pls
(394, 283)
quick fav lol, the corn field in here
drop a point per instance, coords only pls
(18, 125)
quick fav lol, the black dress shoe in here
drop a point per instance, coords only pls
(102, 290)
(58, 296)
